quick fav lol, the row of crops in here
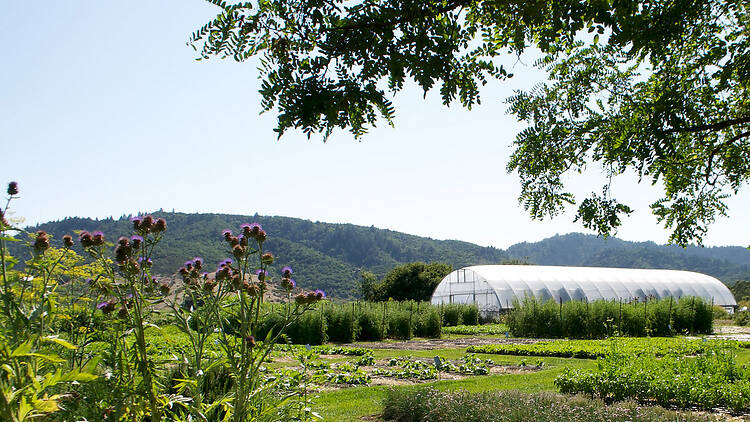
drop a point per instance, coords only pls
(532, 317)
(593, 349)
(672, 372)
(369, 321)
(708, 380)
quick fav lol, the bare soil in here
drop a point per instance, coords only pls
(453, 343)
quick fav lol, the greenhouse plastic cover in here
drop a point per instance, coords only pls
(497, 286)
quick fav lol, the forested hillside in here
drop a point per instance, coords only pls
(325, 256)
(331, 256)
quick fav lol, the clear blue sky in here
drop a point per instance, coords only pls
(105, 112)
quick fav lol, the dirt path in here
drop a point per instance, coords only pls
(452, 343)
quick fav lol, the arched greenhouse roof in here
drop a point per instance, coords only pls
(495, 287)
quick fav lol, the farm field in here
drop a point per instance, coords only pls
(407, 367)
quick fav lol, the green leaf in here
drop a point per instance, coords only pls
(61, 342)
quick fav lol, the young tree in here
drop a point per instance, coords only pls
(664, 92)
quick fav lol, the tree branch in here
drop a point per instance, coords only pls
(718, 148)
(713, 126)
(403, 19)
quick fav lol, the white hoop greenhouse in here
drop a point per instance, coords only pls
(494, 287)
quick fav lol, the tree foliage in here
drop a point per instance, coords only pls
(658, 87)
(412, 281)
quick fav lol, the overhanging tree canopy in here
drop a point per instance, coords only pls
(664, 91)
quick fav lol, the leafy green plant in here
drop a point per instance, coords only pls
(31, 373)
(711, 379)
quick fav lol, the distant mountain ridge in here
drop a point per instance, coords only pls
(331, 256)
(727, 263)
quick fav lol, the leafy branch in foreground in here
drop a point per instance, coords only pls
(660, 88)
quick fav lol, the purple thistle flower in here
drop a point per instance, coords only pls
(225, 262)
(261, 274)
(136, 238)
(102, 305)
(320, 294)
(287, 271)
(188, 264)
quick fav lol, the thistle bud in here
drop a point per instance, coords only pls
(136, 241)
(227, 235)
(122, 253)
(198, 263)
(164, 289)
(300, 299)
(288, 284)
(147, 223)
(261, 274)
(41, 243)
(86, 239)
(13, 188)
(136, 223)
(67, 241)
(267, 258)
(97, 238)
(107, 307)
(209, 285)
(250, 341)
(238, 251)
(160, 225)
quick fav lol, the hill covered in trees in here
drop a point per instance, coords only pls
(323, 255)
(332, 256)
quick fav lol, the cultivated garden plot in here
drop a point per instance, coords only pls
(331, 367)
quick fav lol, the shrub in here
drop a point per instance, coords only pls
(428, 323)
(693, 315)
(469, 315)
(341, 324)
(310, 328)
(370, 322)
(451, 315)
(400, 325)
(720, 313)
